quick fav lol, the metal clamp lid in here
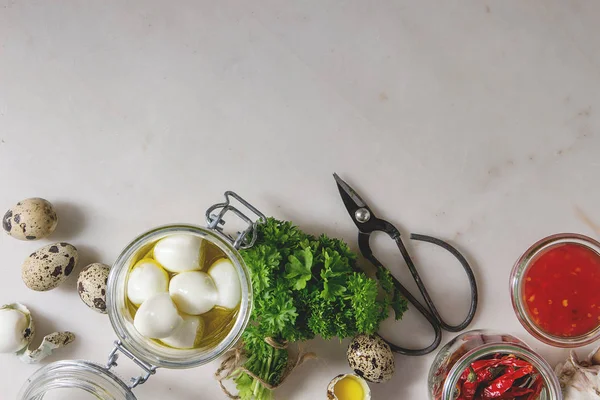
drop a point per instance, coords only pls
(148, 368)
(244, 239)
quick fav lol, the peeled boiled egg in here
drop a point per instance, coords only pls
(189, 332)
(227, 283)
(13, 330)
(194, 292)
(157, 317)
(146, 279)
(348, 387)
(178, 253)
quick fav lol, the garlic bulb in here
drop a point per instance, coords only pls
(579, 380)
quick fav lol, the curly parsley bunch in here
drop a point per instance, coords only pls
(305, 286)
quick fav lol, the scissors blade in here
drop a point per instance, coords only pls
(348, 193)
(345, 189)
(354, 203)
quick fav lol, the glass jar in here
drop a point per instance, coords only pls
(149, 350)
(517, 288)
(54, 380)
(75, 379)
(458, 354)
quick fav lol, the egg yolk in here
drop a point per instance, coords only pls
(348, 389)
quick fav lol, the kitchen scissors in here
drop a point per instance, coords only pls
(367, 223)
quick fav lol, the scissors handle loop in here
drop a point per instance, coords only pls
(470, 276)
(428, 310)
(424, 311)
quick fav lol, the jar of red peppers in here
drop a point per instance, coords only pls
(481, 364)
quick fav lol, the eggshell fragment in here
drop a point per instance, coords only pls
(17, 331)
(360, 385)
(14, 333)
(30, 219)
(49, 266)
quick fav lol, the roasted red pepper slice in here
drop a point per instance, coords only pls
(494, 379)
(478, 365)
(505, 382)
(515, 392)
(484, 375)
(513, 362)
(495, 362)
(469, 388)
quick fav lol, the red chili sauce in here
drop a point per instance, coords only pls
(562, 290)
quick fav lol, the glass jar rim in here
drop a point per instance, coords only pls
(522, 351)
(139, 348)
(516, 282)
(82, 374)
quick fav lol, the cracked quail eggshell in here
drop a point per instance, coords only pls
(48, 267)
(364, 387)
(91, 285)
(16, 325)
(30, 219)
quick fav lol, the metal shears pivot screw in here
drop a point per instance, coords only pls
(362, 215)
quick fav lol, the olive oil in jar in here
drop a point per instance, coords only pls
(191, 258)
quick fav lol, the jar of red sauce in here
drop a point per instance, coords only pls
(555, 290)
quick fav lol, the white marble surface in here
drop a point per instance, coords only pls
(476, 122)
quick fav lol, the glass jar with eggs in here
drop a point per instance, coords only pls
(178, 296)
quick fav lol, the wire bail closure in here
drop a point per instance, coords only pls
(244, 239)
(112, 362)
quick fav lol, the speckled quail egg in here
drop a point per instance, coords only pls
(187, 334)
(227, 282)
(146, 279)
(30, 219)
(371, 358)
(194, 292)
(16, 328)
(91, 285)
(157, 317)
(178, 253)
(49, 266)
(348, 387)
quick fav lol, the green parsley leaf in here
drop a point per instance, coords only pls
(399, 305)
(364, 293)
(279, 313)
(298, 270)
(333, 274)
(332, 286)
(265, 261)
